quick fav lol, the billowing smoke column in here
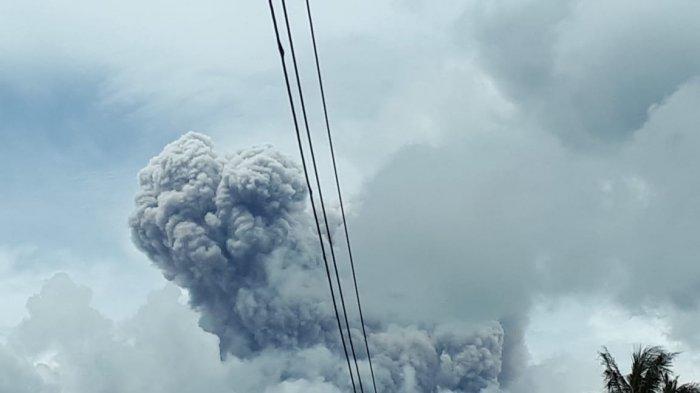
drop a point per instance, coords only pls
(236, 234)
(232, 232)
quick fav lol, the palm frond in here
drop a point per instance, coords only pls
(650, 373)
(670, 384)
(614, 380)
(688, 388)
(655, 365)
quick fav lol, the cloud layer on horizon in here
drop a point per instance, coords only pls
(67, 345)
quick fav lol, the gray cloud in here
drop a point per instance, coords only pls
(586, 70)
(66, 345)
(236, 234)
(229, 231)
(500, 217)
(505, 216)
(452, 358)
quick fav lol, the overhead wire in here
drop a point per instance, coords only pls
(337, 185)
(308, 184)
(320, 192)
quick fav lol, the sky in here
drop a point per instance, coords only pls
(528, 163)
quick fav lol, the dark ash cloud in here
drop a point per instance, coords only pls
(236, 234)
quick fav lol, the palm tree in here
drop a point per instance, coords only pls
(651, 373)
(671, 386)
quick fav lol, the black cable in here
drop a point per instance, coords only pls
(337, 185)
(320, 192)
(308, 184)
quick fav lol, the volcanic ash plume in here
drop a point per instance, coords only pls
(235, 233)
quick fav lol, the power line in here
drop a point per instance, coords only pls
(337, 185)
(320, 192)
(308, 184)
